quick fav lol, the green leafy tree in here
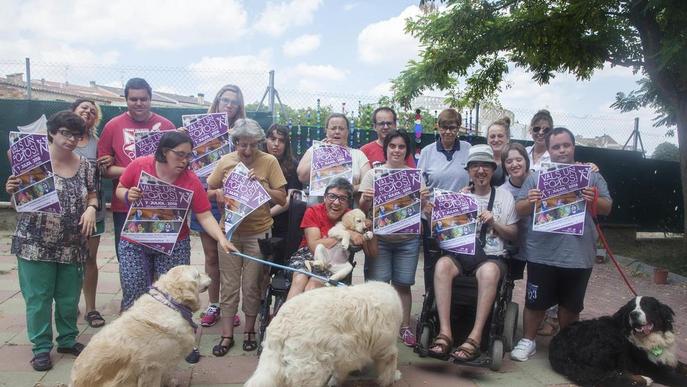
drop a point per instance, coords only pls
(468, 45)
(666, 151)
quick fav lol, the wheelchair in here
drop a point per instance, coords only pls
(500, 327)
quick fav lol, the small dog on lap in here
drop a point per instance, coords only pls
(634, 347)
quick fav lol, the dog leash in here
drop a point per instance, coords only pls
(602, 237)
(309, 274)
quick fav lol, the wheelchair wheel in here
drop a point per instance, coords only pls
(496, 355)
(422, 346)
(264, 320)
(510, 325)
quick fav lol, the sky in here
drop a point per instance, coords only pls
(334, 50)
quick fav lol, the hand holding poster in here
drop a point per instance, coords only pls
(454, 221)
(210, 135)
(242, 196)
(562, 208)
(30, 160)
(396, 202)
(156, 219)
(329, 162)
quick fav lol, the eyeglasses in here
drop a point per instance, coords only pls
(334, 197)
(70, 135)
(183, 155)
(537, 129)
(382, 124)
(449, 128)
(477, 166)
(228, 101)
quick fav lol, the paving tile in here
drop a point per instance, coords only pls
(18, 378)
(228, 369)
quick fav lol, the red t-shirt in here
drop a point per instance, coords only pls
(117, 139)
(375, 153)
(316, 216)
(187, 180)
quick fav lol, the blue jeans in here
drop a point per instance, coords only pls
(395, 262)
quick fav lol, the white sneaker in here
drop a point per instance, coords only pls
(524, 350)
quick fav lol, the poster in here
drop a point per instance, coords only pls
(146, 141)
(156, 219)
(241, 197)
(329, 162)
(30, 160)
(396, 201)
(210, 135)
(562, 208)
(454, 221)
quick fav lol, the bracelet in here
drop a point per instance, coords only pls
(126, 199)
(95, 207)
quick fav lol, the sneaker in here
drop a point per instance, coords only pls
(237, 320)
(210, 316)
(524, 350)
(407, 336)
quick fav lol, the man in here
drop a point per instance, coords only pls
(117, 139)
(558, 265)
(383, 121)
(487, 265)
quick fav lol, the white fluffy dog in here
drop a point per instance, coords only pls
(330, 332)
(148, 341)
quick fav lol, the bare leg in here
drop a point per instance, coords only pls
(406, 302)
(444, 273)
(566, 317)
(530, 322)
(298, 283)
(90, 282)
(313, 284)
(211, 265)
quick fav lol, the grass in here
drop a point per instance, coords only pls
(670, 253)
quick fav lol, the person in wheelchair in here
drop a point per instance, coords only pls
(497, 221)
(317, 222)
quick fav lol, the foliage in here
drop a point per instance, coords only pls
(666, 151)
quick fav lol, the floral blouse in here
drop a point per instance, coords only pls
(57, 237)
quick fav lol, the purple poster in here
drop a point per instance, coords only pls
(146, 142)
(396, 204)
(210, 135)
(562, 208)
(329, 162)
(241, 197)
(155, 220)
(30, 160)
(454, 223)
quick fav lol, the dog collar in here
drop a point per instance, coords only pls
(657, 351)
(170, 302)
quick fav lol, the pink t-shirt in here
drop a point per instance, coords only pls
(117, 139)
(375, 153)
(187, 180)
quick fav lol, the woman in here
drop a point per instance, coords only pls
(229, 99)
(316, 223)
(88, 148)
(337, 129)
(516, 166)
(170, 163)
(498, 136)
(397, 255)
(541, 124)
(51, 248)
(235, 272)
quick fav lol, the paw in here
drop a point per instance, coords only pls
(648, 380)
(341, 271)
(397, 376)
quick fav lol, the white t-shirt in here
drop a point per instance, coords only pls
(545, 158)
(504, 213)
(358, 160)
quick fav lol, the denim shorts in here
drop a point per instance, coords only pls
(195, 226)
(395, 262)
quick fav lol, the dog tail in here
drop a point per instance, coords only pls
(268, 373)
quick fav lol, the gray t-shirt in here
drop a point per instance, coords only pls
(561, 250)
(90, 151)
(439, 172)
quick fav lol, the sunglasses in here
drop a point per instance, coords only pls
(544, 130)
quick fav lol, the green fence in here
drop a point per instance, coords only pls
(646, 193)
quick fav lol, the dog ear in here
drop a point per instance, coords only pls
(185, 287)
(623, 314)
(666, 314)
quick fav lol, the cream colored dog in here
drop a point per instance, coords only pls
(330, 332)
(146, 342)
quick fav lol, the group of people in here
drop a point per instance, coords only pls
(57, 252)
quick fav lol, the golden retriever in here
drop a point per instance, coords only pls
(146, 342)
(330, 332)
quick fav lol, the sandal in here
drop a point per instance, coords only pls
(445, 347)
(94, 319)
(221, 350)
(470, 348)
(548, 327)
(248, 344)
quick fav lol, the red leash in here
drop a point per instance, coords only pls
(593, 210)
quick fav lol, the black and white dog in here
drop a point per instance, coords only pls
(634, 347)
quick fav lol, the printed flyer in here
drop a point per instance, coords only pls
(30, 160)
(146, 141)
(241, 197)
(210, 135)
(562, 208)
(155, 220)
(329, 162)
(454, 221)
(396, 201)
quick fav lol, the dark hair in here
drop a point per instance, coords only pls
(342, 184)
(393, 134)
(171, 139)
(65, 119)
(542, 114)
(286, 161)
(138, 84)
(380, 109)
(557, 131)
(449, 115)
(516, 146)
(337, 115)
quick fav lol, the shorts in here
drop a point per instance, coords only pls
(395, 262)
(497, 259)
(550, 285)
(216, 213)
